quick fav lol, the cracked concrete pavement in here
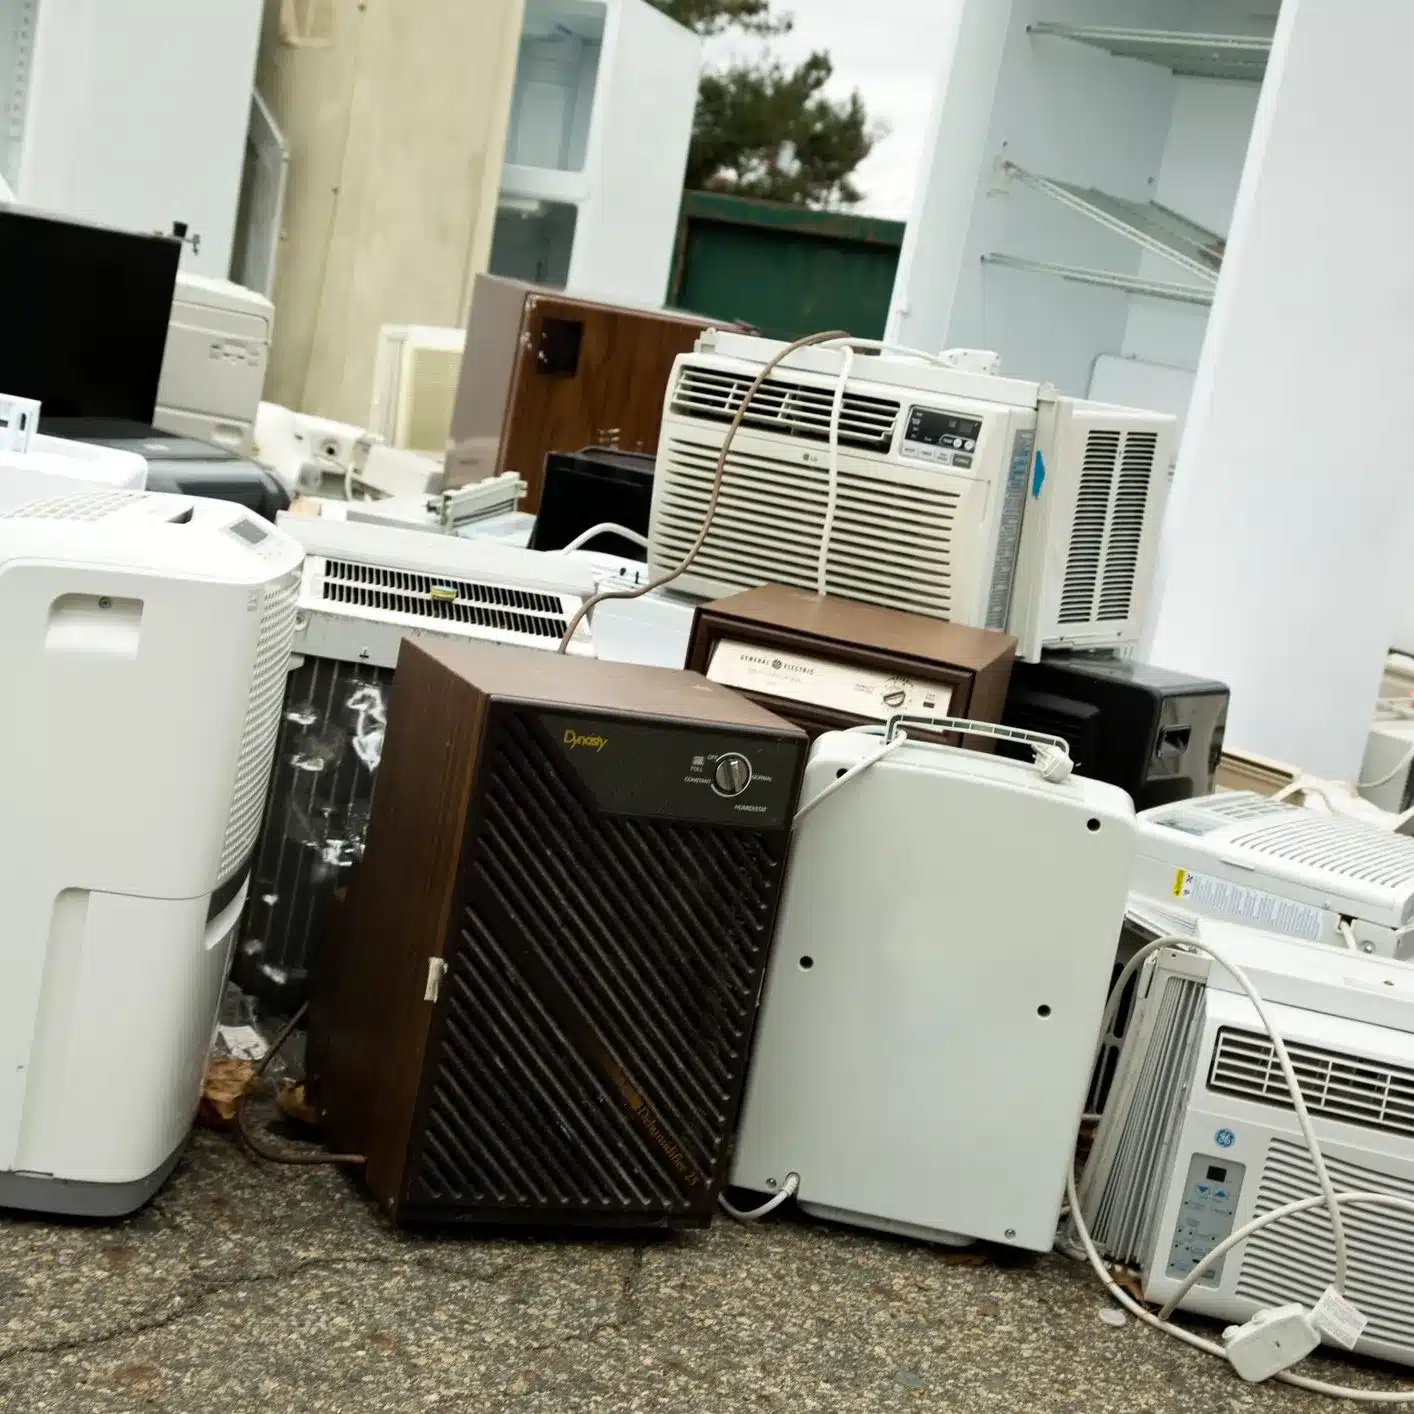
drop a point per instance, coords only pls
(245, 1288)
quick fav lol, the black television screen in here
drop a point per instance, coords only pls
(83, 315)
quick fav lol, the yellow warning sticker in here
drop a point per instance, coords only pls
(1179, 876)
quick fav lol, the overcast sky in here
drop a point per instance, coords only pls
(888, 50)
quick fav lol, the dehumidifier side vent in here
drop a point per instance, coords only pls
(262, 723)
(445, 601)
(1347, 849)
(1127, 1206)
(1294, 1260)
(1200, 817)
(783, 406)
(1107, 534)
(1343, 1087)
(80, 506)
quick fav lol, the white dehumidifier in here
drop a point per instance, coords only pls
(928, 1023)
(146, 640)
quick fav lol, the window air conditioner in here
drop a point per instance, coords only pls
(365, 588)
(985, 500)
(1199, 1135)
(415, 375)
(1251, 860)
(146, 639)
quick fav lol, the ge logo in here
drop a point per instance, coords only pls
(1225, 1138)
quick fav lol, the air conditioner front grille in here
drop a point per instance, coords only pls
(599, 1000)
(262, 722)
(787, 407)
(80, 506)
(892, 542)
(1107, 532)
(1343, 848)
(443, 601)
(1294, 1260)
(1356, 1091)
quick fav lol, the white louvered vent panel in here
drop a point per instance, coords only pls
(891, 543)
(784, 406)
(262, 722)
(1087, 535)
(1294, 1261)
(445, 602)
(1340, 847)
(1344, 1087)
(1125, 538)
(1240, 805)
(82, 506)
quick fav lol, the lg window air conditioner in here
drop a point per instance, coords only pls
(146, 641)
(364, 589)
(415, 376)
(984, 500)
(1260, 862)
(1199, 1135)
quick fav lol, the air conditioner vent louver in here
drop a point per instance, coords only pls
(1343, 848)
(891, 543)
(262, 723)
(81, 506)
(787, 407)
(1293, 1260)
(1239, 805)
(1106, 539)
(1343, 1087)
(445, 601)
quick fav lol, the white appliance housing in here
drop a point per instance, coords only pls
(985, 500)
(82, 461)
(415, 373)
(213, 372)
(1389, 758)
(929, 1016)
(365, 585)
(1245, 858)
(1199, 1136)
(131, 115)
(147, 638)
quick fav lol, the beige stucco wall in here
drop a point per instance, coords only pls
(395, 112)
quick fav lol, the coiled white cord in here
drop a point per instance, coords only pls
(1328, 1198)
(752, 1215)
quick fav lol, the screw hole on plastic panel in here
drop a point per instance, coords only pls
(806, 963)
(1092, 825)
(843, 771)
(1043, 1010)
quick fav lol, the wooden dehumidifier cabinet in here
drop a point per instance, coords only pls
(540, 996)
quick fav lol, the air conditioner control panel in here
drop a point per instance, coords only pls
(943, 438)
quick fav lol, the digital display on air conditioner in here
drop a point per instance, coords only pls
(942, 429)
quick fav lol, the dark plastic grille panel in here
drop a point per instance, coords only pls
(590, 948)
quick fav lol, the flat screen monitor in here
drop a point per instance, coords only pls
(83, 316)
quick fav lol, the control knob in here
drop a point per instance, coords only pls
(732, 775)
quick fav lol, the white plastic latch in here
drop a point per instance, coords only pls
(436, 968)
(1339, 1318)
(1272, 1341)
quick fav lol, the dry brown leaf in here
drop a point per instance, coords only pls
(226, 1081)
(295, 1103)
(1128, 1281)
(966, 1259)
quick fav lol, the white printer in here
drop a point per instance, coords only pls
(213, 371)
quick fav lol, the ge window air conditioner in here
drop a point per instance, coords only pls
(365, 588)
(945, 502)
(1260, 862)
(1199, 1136)
(146, 643)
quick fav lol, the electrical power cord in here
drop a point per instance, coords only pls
(256, 1143)
(885, 749)
(715, 495)
(606, 527)
(754, 1215)
(1328, 1198)
(1401, 765)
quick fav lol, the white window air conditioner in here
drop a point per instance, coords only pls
(1199, 1135)
(1266, 864)
(366, 588)
(147, 639)
(415, 373)
(985, 500)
